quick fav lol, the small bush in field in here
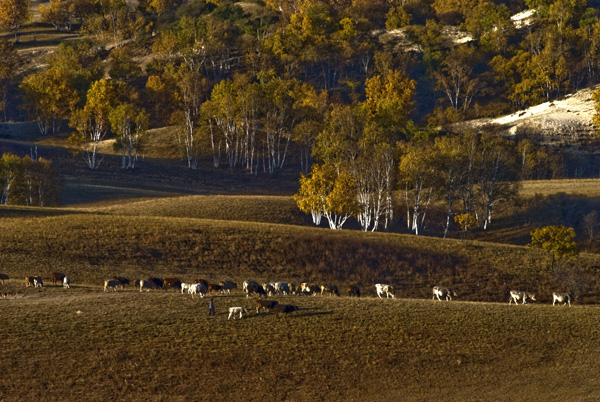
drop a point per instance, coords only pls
(466, 222)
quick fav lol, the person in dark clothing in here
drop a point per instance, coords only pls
(211, 307)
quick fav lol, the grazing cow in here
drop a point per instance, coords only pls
(202, 281)
(385, 288)
(3, 277)
(227, 286)
(66, 282)
(309, 289)
(255, 288)
(147, 285)
(563, 298)
(111, 283)
(213, 287)
(57, 277)
(197, 289)
(37, 281)
(175, 283)
(282, 288)
(185, 287)
(516, 295)
(236, 310)
(269, 289)
(329, 288)
(265, 304)
(353, 290)
(122, 280)
(29, 281)
(158, 283)
(284, 309)
(439, 291)
(246, 284)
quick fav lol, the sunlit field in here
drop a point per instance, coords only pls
(83, 343)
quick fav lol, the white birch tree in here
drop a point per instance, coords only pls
(91, 123)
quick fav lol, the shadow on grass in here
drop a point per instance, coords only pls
(312, 314)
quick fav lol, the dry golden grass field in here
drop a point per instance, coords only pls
(84, 344)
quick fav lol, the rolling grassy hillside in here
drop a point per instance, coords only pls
(91, 247)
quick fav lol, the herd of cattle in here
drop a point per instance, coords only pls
(202, 287)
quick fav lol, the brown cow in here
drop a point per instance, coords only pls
(29, 281)
(3, 277)
(175, 283)
(57, 277)
(227, 286)
(353, 290)
(265, 304)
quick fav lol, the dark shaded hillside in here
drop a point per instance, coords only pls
(92, 248)
(151, 178)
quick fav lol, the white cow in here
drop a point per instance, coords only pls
(66, 282)
(563, 298)
(197, 289)
(516, 295)
(37, 281)
(111, 283)
(439, 291)
(185, 287)
(236, 310)
(385, 288)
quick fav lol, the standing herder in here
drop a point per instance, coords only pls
(211, 307)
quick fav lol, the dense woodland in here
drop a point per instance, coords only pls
(359, 94)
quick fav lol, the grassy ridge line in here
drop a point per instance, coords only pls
(93, 247)
(251, 208)
(157, 346)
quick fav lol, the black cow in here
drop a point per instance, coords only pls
(57, 277)
(122, 280)
(329, 288)
(158, 282)
(284, 309)
(255, 288)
